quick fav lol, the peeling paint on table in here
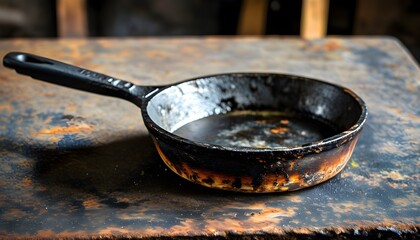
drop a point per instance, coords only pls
(79, 165)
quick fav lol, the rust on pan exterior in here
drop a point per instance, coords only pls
(283, 175)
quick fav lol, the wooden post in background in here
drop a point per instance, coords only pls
(71, 18)
(252, 17)
(314, 19)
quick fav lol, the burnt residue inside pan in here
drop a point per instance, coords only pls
(256, 129)
(254, 110)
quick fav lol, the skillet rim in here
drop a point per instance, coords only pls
(325, 144)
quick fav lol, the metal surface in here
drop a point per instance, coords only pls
(78, 165)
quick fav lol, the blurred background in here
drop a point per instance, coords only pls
(121, 18)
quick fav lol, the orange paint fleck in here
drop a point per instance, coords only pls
(26, 182)
(223, 225)
(42, 211)
(14, 213)
(274, 213)
(91, 204)
(48, 233)
(69, 129)
(407, 201)
(3, 182)
(54, 139)
(6, 107)
(331, 45)
(184, 227)
(124, 200)
(295, 199)
(113, 231)
(305, 231)
(262, 121)
(279, 130)
(394, 175)
(397, 185)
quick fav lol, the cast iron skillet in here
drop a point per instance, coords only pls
(248, 132)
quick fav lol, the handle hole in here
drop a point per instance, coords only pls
(30, 59)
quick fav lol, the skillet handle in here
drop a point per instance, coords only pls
(63, 74)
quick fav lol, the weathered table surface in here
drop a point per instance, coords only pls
(75, 164)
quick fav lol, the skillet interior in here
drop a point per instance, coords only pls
(329, 108)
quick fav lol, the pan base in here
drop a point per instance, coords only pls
(256, 129)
